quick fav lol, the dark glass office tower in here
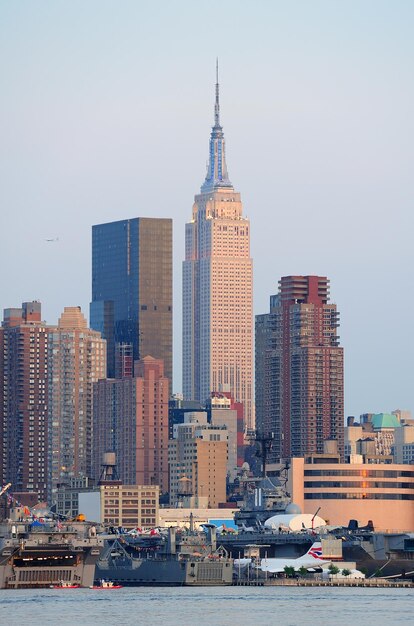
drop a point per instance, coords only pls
(132, 290)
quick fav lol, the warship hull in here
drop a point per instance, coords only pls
(191, 559)
(395, 566)
(167, 572)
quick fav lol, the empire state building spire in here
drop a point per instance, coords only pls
(217, 102)
(217, 176)
(218, 288)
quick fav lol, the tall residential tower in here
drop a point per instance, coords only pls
(24, 427)
(217, 287)
(77, 359)
(299, 369)
(131, 419)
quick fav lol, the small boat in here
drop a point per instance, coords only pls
(64, 585)
(105, 584)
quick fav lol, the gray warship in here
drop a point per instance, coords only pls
(168, 558)
(36, 554)
(263, 497)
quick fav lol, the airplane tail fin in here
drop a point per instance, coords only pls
(315, 550)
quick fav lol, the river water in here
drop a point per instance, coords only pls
(227, 606)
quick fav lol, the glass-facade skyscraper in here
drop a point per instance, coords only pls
(132, 290)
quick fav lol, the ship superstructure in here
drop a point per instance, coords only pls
(36, 553)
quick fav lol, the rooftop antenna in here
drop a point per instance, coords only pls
(217, 103)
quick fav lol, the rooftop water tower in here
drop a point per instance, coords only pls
(109, 474)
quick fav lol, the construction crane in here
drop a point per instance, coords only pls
(4, 489)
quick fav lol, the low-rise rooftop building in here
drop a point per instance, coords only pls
(383, 493)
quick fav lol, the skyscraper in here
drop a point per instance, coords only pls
(77, 359)
(217, 287)
(132, 291)
(24, 399)
(299, 369)
(268, 373)
(131, 419)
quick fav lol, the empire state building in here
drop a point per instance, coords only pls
(217, 287)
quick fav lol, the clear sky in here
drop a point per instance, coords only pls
(105, 114)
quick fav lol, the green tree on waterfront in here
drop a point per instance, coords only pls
(289, 571)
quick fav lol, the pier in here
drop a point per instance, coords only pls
(337, 582)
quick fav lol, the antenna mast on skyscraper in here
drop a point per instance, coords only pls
(217, 103)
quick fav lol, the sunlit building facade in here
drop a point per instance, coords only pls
(198, 458)
(77, 359)
(217, 288)
(299, 369)
(380, 492)
(129, 506)
(131, 419)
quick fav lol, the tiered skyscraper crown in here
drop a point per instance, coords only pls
(217, 176)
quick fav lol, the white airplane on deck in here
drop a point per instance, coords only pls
(312, 560)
